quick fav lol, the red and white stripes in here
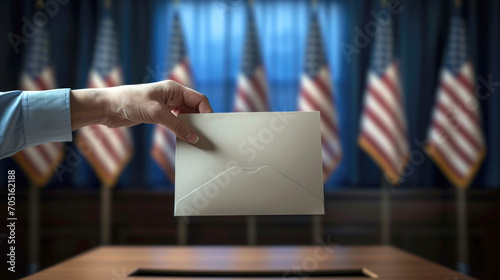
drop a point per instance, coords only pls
(455, 139)
(252, 92)
(383, 123)
(316, 95)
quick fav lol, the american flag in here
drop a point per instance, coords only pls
(316, 95)
(39, 162)
(251, 92)
(383, 133)
(107, 150)
(455, 140)
(163, 149)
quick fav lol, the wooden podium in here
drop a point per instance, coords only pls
(229, 262)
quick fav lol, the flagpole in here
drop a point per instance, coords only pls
(34, 228)
(106, 201)
(316, 220)
(252, 230)
(462, 221)
(317, 228)
(462, 231)
(34, 213)
(182, 225)
(385, 212)
(105, 193)
(181, 231)
(251, 221)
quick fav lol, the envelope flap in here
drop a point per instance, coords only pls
(249, 191)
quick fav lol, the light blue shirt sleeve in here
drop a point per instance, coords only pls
(30, 118)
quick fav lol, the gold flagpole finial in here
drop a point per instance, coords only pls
(458, 3)
(107, 4)
(176, 2)
(250, 3)
(314, 3)
(39, 4)
(383, 3)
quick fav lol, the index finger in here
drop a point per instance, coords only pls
(196, 100)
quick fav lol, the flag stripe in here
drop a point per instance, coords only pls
(32, 163)
(170, 139)
(41, 84)
(456, 132)
(380, 152)
(256, 84)
(109, 149)
(455, 137)
(323, 88)
(163, 147)
(251, 94)
(442, 110)
(244, 103)
(166, 145)
(383, 131)
(316, 95)
(332, 152)
(469, 88)
(326, 132)
(388, 122)
(103, 160)
(450, 110)
(39, 162)
(460, 104)
(452, 141)
(388, 82)
(310, 100)
(445, 156)
(251, 89)
(44, 154)
(387, 95)
(382, 127)
(375, 94)
(379, 137)
(324, 101)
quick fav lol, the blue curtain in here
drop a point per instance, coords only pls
(214, 33)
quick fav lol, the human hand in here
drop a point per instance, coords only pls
(154, 103)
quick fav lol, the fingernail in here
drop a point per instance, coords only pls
(192, 138)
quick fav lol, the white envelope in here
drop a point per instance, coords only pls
(266, 163)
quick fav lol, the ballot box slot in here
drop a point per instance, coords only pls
(147, 272)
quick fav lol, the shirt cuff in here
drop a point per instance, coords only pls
(46, 116)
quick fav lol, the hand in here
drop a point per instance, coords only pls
(154, 103)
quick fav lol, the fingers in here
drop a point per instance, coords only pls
(178, 127)
(181, 95)
(182, 109)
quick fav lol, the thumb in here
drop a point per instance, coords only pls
(178, 127)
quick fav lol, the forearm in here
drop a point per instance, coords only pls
(88, 106)
(32, 118)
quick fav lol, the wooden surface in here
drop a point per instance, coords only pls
(117, 262)
(423, 223)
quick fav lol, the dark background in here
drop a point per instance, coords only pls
(424, 208)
